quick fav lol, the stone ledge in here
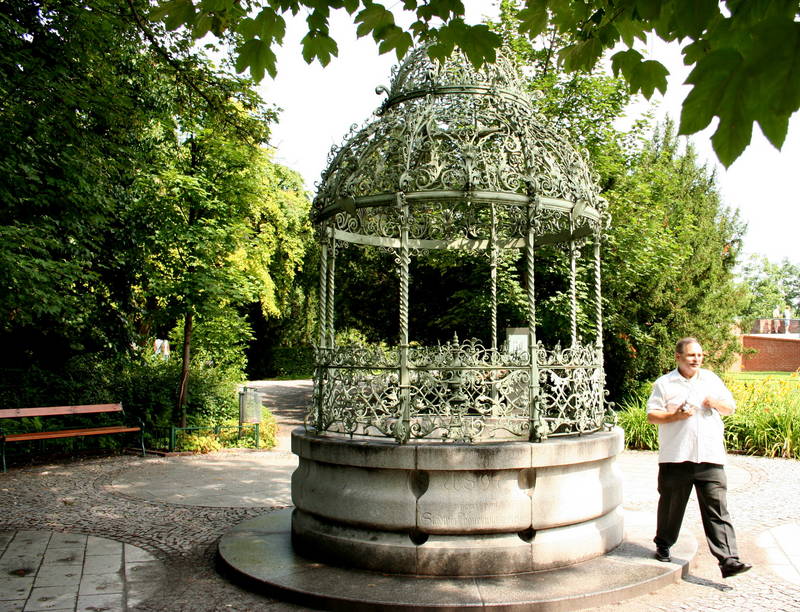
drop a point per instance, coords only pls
(428, 455)
(258, 554)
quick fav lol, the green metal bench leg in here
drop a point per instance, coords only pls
(4, 455)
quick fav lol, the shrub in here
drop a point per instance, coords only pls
(632, 417)
(766, 421)
(296, 363)
(767, 418)
(146, 385)
(197, 443)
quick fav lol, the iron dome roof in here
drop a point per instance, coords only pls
(453, 142)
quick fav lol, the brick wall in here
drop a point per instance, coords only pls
(773, 354)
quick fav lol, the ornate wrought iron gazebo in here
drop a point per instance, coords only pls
(458, 158)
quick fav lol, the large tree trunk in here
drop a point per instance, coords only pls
(187, 343)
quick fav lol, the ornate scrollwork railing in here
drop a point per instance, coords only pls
(457, 392)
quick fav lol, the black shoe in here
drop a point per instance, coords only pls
(731, 567)
(662, 554)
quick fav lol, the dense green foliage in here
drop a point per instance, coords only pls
(147, 388)
(765, 422)
(744, 53)
(669, 263)
(768, 287)
(138, 202)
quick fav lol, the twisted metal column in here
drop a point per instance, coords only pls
(493, 279)
(322, 357)
(573, 292)
(323, 289)
(403, 431)
(598, 295)
(493, 275)
(331, 278)
(537, 432)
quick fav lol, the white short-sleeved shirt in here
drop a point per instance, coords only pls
(700, 438)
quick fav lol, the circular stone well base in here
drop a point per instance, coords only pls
(258, 554)
(456, 510)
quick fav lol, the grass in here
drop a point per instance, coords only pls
(760, 375)
(766, 421)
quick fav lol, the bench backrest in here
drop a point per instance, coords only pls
(58, 410)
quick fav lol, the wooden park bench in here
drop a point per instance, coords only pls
(49, 411)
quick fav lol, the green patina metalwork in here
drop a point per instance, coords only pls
(458, 159)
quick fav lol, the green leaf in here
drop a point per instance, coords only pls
(441, 48)
(644, 76)
(630, 30)
(567, 15)
(215, 5)
(693, 52)
(774, 128)
(625, 62)
(248, 28)
(272, 26)
(581, 56)
(649, 76)
(715, 74)
(480, 44)
(202, 26)
(648, 9)
(477, 42)
(374, 19)
(732, 137)
(351, 6)
(258, 56)
(443, 9)
(395, 38)
(319, 45)
(318, 19)
(533, 18)
(693, 17)
(174, 13)
(775, 60)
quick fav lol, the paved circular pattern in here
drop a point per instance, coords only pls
(50, 570)
(82, 497)
(221, 480)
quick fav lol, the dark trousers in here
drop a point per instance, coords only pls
(675, 482)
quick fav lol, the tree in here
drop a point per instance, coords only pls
(227, 227)
(768, 286)
(790, 283)
(668, 263)
(670, 251)
(136, 192)
(78, 105)
(744, 53)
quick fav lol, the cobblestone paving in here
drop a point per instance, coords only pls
(769, 498)
(78, 497)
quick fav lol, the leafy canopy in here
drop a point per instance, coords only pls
(135, 191)
(768, 287)
(745, 54)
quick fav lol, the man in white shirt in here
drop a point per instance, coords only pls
(687, 405)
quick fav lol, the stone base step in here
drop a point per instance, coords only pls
(258, 554)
